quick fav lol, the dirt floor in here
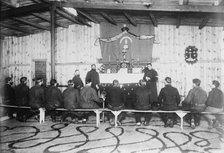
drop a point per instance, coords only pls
(72, 137)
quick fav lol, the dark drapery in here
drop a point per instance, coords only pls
(139, 50)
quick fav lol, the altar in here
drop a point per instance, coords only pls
(123, 78)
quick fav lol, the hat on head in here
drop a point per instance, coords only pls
(197, 82)
(215, 83)
(149, 64)
(7, 79)
(168, 80)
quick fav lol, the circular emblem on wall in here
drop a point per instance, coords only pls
(191, 55)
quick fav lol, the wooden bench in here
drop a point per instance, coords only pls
(41, 111)
(180, 113)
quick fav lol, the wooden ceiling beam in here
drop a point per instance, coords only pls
(108, 18)
(78, 18)
(22, 11)
(204, 22)
(178, 20)
(142, 7)
(15, 28)
(221, 3)
(36, 25)
(153, 19)
(88, 16)
(67, 16)
(49, 20)
(183, 2)
(130, 19)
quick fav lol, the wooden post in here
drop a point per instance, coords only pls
(53, 39)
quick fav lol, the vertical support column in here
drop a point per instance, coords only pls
(53, 39)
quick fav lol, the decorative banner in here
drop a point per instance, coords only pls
(191, 55)
(129, 41)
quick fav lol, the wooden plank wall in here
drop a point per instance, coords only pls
(76, 50)
(169, 55)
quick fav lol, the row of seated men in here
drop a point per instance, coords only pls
(52, 98)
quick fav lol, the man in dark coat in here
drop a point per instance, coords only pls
(115, 100)
(71, 99)
(93, 77)
(22, 99)
(89, 99)
(37, 96)
(196, 98)
(54, 99)
(78, 84)
(151, 77)
(169, 100)
(142, 102)
(9, 96)
(214, 104)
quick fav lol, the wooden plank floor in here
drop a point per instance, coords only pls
(70, 137)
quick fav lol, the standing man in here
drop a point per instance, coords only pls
(93, 76)
(78, 84)
(53, 99)
(169, 100)
(196, 98)
(151, 77)
(142, 102)
(214, 104)
(22, 99)
(9, 96)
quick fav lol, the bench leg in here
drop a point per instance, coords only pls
(97, 117)
(181, 115)
(42, 115)
(116, 113)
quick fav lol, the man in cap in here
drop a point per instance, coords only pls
(151, 77)
(214, 104)
(196, 98)
(169, 100)
(54, 99)
(22, 99)
(142, 102)
(37, 96)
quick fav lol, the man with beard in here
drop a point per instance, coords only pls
(151, 77)
(22, 99)
(93, 76)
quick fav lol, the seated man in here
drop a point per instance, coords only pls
(9, 96)
(214, 104)
(37, 96)
(22, 98)
(71, 97)
(53, 99)
(89, 99)
(142, 102)
(196, 98)
(115, 100)
(169, 100)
